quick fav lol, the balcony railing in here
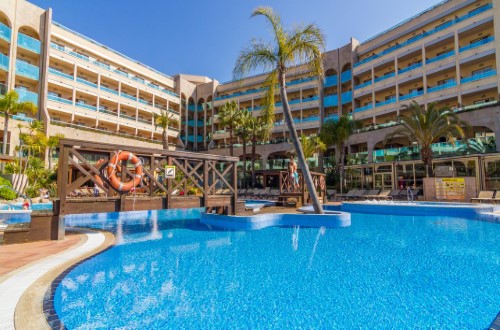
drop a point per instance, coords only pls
(28, 43)
(4, 62)
(86, 106)
(59, 99)
(478, 76)
(5, 32)
(473, 13)
(109, 90)
(389, 101)
(331, 81)
(437, 88)
(386, 76)
(477, 44)
(86, 82)
(411, 95)
(346, 76)
(331, 100)
(347, 97)
(127, 117)
(440, 57)
(331, 117)
(60, 74)
(27, 70)
(410, 68)
(107, 112)
(27, 96)
(366, 83)
(364, 108)
(128, 96)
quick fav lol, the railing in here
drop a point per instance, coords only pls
(477, 44)
(331, 100)
(128, 96)
(300, 81)
(86, 82)
(331, 81)
(364, 108)
(86, 106)
(59, 99)
(28, 43)
(476, 106)
(478, 76)
(347, 97)
(473, 13)
(440, 57)
(375, 127)
(386, 76)
(4, 62)
(109, 90)
(410, 68)
(437, 88)
(105, 66)
(144, 121)
(366, 83)
(27, 96)
(5, 32)
(332, 117)
(389, 101)
(22, 117)
(60, 74)
(251, 91)
(27, 70)
(411, 95)
(127, 117)
(109, 113)
(346, 76)
(358, 158)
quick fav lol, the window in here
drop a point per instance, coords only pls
(23, 60)
(445, 81)
(54, 94)
(80, 101)
(479, 39)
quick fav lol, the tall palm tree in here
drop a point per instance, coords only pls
(258, 132)
(52, 143)
(337, 133)
(311, 145)
(290, 47)
(10, 105)
(164, 120)
(228, 118)
(426, 127)
(244, 131)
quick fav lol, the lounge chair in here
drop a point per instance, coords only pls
(358, 194)
(370, 194)
(484, 195)
(265, 193)
(331, 194)
(349, 194)
(273, 194)
(497, 197)
(251, 193)
(384, 195)
(395, 194)
(242, 192)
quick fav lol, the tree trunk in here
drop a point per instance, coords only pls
(341, 166)
(254, 142)
(244, 163)
(231, 149)
(5, 134)
(298, 149)
(321, 165)
(50, 158)
(426, 154)
(164, 138)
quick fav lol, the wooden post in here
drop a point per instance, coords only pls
(123, 196)
(205, 183)
(235, 187)
(169, 186)
(152, 170)
(62, 179)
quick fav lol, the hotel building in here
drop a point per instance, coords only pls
(446, 54)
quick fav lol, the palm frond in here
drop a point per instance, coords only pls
(257, 56)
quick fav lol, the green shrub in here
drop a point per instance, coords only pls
(6, 193)
(31, 192)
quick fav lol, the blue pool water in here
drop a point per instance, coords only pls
(170, 271)
(34, 207)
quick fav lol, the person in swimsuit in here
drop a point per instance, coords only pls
(294, 175)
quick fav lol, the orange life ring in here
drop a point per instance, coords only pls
(97, 177)
(113, 168)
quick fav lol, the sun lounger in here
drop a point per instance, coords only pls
(331, 194)
(395, 194)
(357, 194)
(484, 195)
(370, 194)
(242, 192)
(497, 197)
(273, 194)
(384, 195)
(349, 194)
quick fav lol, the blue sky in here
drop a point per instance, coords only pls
(204, 37)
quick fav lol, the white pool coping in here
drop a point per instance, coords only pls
(14, 286)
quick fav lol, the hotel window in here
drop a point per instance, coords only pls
(103, 107)
(80, 101)
(54, 94)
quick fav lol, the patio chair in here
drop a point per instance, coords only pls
(484, 195)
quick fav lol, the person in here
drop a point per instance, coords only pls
(26, 204)
(96, 191)
(294, 175)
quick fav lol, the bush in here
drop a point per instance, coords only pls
(31, 192)
(6, 193)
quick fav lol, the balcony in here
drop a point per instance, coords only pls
(389, 101)
(86, 106)
(437, 88)
(366, 83)
(300, 81)
(331, 81)
(28, 43)
(109, 90)
(127, 117)
(410, 68)
(440, 57)
(364, 108)
(331, 100)
(358, 158)
(331, 117)
(5, 32)
(109, 113)
(86, 82)
(4, 62)
(55, 98)
(347, 97)
(386, 76)
(411, 95)
(477, 44)
(27, 96)
(27, 70)
(60, 74)
(346, 76)
(478, 76)
(128, 96)
(251, 91)
(473, 13)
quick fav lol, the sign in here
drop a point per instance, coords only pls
(169, 172)
(450, 188)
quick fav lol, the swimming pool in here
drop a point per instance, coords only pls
(170, 271)
(34, 206)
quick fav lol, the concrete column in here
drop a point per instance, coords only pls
(496, 31)
(457, 66)
(396, 69)
(426, 97)
(370, 145)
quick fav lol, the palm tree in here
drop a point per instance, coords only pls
(10, 105)
(299, 45)
(35, 140)
(258, 132)
(243, 131)
(311, 145)
(52, 143)
(426, 127)
(164, 120)
(337, 133)
(228, 117)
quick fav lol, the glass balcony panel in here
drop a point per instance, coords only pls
(440, 57)
(27, 70)
(411, 95)
(4, 62)
(128, 96)
(331, 101)
(333, 117)
(346, 97)
(346, 76)
(366, 83)
(410, 68)
(28, 43)
(478, 76)
(386, 76)
(477, 44)
(27, 96)
(364, 108)
(59, 99)
(331, 81)
(86, 82)
(389, 101)
(60, 74)
(5, 32)
(441, 87)
(109, 90)
(86, 106)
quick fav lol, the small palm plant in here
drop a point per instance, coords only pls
(257, 133)
(229, 117)
(311, 145)
(426, 127)
(10, 105)
(164, 120)
(52, 143)
(300, 45)
(244, 131)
